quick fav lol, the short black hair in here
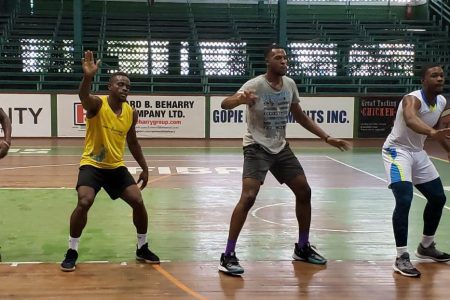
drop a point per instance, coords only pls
(269, 49)
(119, 73)
(425, 67)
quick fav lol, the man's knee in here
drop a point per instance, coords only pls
(437, 199)
(301, 188)
(304, 193)
(434, 192)
(248, 199)
(85, 202)
(136, 202)
(303, 197)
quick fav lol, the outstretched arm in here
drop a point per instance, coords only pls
(411, 106)
(446, 142)
(312, 127)
(247, 97)
(91, 103)
(446, 146)
(6, 126)
(136, 151)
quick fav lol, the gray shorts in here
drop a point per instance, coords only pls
(284, 165)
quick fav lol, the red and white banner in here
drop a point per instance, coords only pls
(159, 116)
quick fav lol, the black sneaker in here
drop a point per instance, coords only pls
(432, 253)
(230, 264)
(68, 264)
(309, 254)
(404, 266)
(144, 254)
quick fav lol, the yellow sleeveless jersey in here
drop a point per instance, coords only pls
(106, 135)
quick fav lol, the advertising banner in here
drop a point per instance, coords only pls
(170, 116)
(159, 116)
(30, 114)
(376, 116)
(226, 123)
(335, 115)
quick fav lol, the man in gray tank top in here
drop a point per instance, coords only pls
(269, 99)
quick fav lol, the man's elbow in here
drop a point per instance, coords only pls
(82, 96)
(133, 145)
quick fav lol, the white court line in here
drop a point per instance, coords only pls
(16, 264)
(150, 160)
(255, 211)
(37, 188)
(372, 175)
(37, 166)
(437, 158)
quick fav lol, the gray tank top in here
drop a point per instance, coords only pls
(267, 118)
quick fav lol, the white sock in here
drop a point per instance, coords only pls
(141, 239)
(401, 250)
(73, 243)
(427, 240)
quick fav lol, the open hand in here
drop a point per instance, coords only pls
(90, 67)
(441, 134)
(338, 143)
(248, 97)
(4, 147)
(143, 177)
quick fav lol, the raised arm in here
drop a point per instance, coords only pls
(301, 118)
(6, 126)
(91, 103)
(136, 151)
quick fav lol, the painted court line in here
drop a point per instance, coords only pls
(254, 213)
(374, 176)
(178, 283)
(307, 158)
(438, 158)
(79, 262)
(37, 188)
(71, 188)
(37, 166)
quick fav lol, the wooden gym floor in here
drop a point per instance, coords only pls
(194, 185)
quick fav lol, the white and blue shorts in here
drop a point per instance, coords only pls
(403, 165)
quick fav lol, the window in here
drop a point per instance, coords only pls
(312, 59)
(381, 60)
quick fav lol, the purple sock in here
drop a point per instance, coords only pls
(231, 245)
(303, 238)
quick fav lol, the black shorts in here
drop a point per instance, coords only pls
(283, 165)
(114, 181)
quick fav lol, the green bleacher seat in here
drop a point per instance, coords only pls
(350, 29)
